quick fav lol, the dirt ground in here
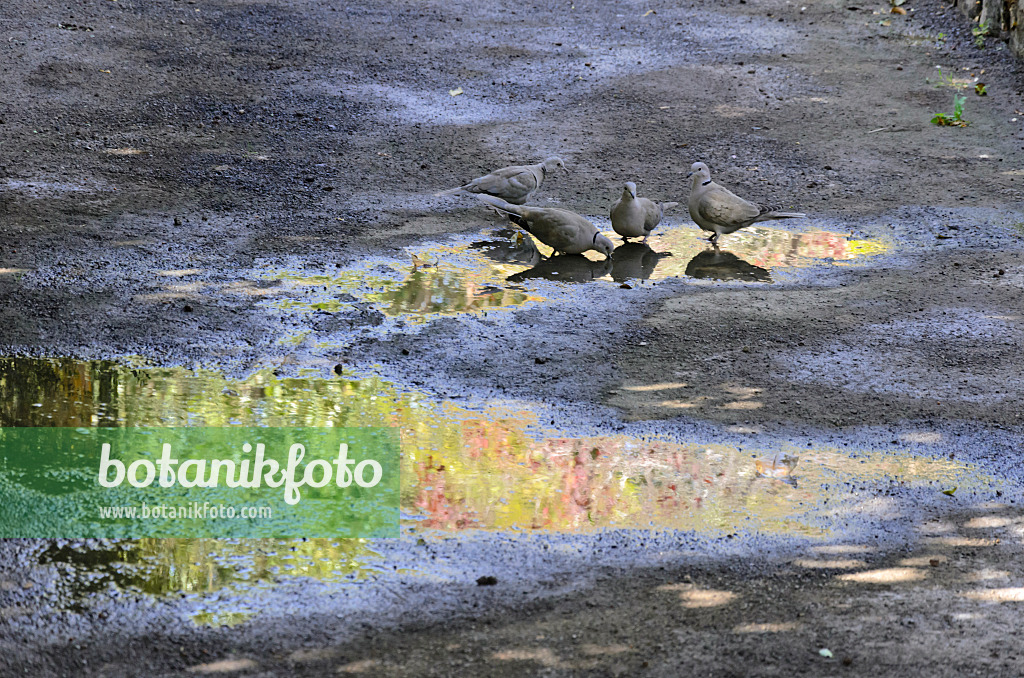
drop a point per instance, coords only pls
(179, 135)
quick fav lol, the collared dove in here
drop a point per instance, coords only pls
(522, 251)
(511, 184)
(634, 217)
(563, 231)
(717, 209)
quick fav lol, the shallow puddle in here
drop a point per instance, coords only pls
(506, 269)
(490, 469)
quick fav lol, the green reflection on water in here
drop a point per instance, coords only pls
(159, 566)
(439, 280)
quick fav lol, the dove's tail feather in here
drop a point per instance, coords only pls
(781, 215)
(450, 191)
(501, 206)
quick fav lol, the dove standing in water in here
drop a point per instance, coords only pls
(634, 217)
(717, 209)
(511, 184)
(563, 231)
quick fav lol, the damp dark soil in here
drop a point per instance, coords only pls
(162, 163)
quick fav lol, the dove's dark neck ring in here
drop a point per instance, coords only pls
(705, 183)
(595, 238)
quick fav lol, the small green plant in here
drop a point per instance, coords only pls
(979, 89)
(956, 119)
(943, 80)
(980, 33)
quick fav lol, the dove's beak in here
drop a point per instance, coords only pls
(689, 175)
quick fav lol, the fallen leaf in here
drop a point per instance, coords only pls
(103, 71)
(949, 493)
(455, 92)
(898, 10)
(650, 11)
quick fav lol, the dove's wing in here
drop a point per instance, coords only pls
(652, 214)
(510, 183)
(721, 206)
(558, 229)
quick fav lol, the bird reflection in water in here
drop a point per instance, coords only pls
(566, 268)
(716, 264)
(635, 261)
(521, 250)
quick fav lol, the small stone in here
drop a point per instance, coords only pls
(177, 221)
(187, 308)
(405, 351)
(339, 368)
(486, 580)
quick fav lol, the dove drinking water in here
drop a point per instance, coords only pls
(563, 231)
(717, 209)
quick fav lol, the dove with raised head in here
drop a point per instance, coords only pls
(512, 184)
(717, 209)
(634, 217)
(563, 231)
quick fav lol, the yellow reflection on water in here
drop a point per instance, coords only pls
(760, 246)
(499, 476)
(439, 280)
